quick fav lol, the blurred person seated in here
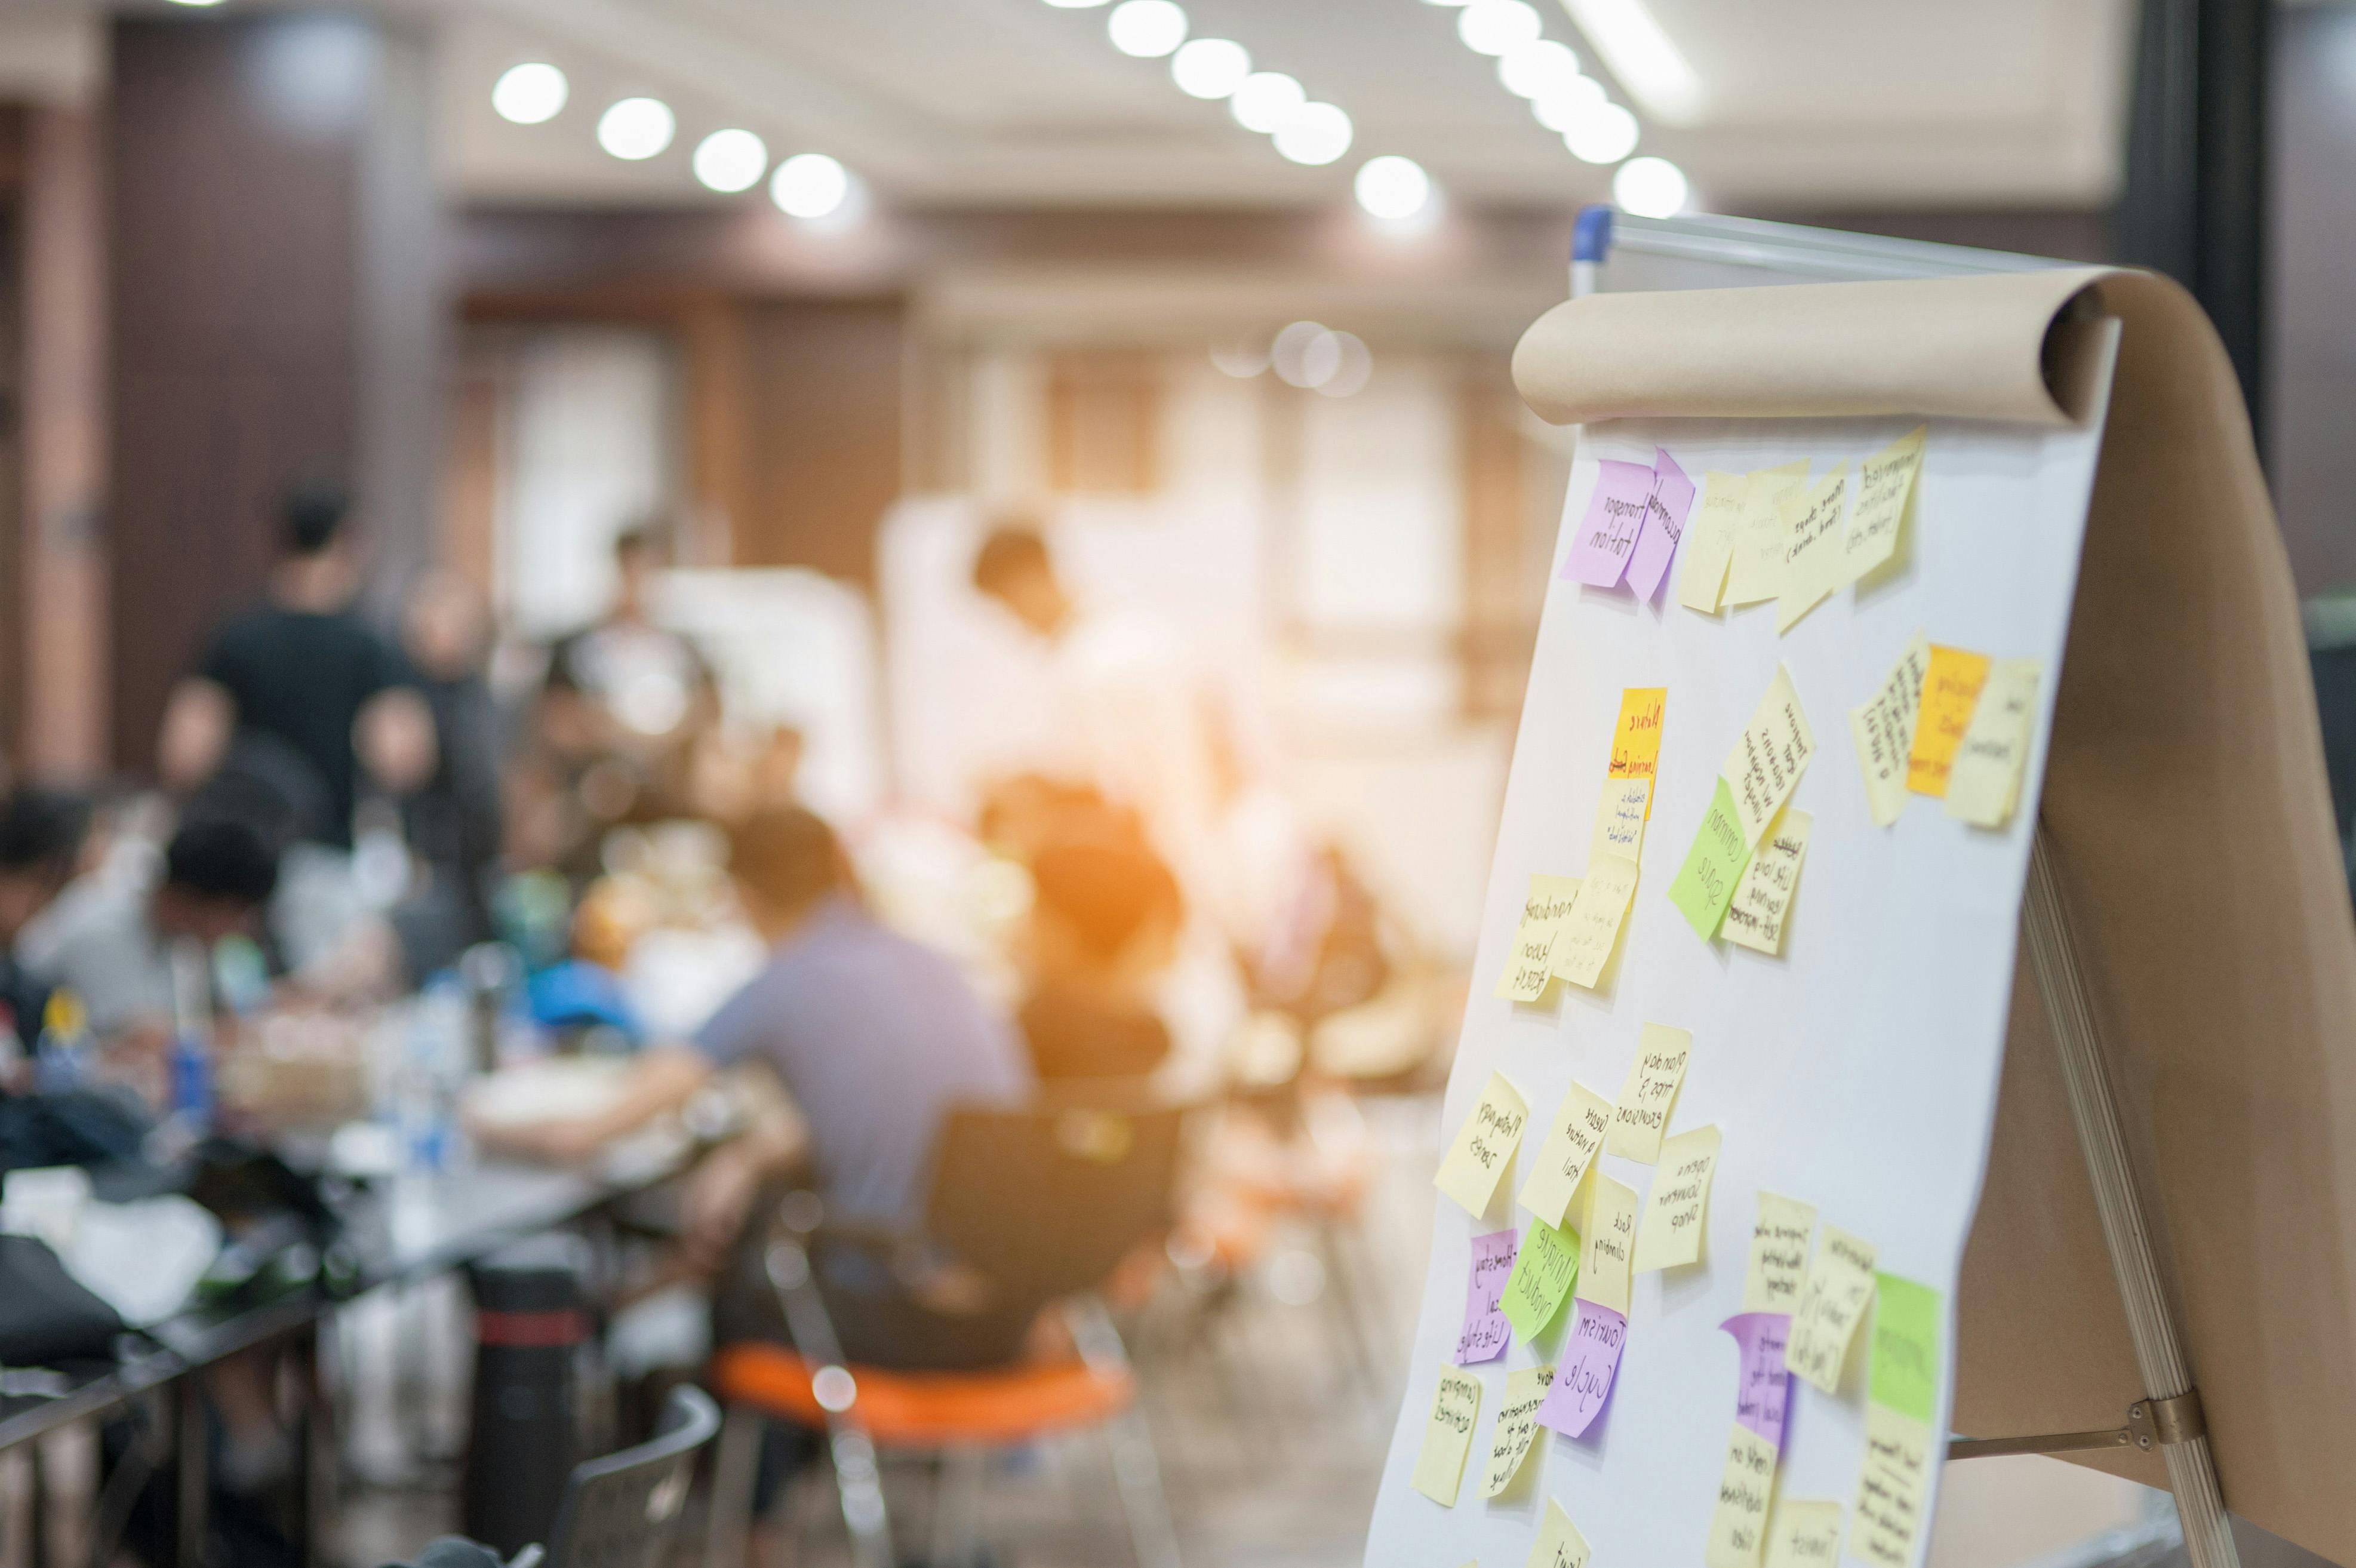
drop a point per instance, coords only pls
(1102, 930)
(454, 821)
(42, 836)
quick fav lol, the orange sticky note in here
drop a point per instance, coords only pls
(1951, 689)
(1636, 739)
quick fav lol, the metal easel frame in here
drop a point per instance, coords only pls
(2168, 1417)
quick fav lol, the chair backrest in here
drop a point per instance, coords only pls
(1047, 1200)
(620, 1511)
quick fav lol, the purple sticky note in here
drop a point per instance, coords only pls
(1485, 1327)
(1607, 534)
(1762, 1393)
(1582, 1380)
(1664, 524)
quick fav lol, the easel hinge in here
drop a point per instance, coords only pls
(2151, 1423)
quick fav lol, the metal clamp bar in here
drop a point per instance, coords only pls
(2151, 1423)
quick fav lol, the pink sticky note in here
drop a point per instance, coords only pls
(1607, 534)
(1664, 524)
(1582, 1381)
(1485, 1327)
(1762, 1393)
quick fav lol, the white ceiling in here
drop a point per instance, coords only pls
(1820, 103)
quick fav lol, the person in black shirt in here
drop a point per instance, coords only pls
(298, 696)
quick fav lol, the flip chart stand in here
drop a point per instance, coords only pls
(2168, 1418)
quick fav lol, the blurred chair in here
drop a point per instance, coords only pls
(1043, 1203)
(623, 1510)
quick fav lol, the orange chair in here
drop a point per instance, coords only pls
(1042, 1204)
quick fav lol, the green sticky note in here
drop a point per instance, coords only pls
(1544, 1270)
(1905, 1345)
(1704, 883)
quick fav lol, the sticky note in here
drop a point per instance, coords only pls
(1640, 1114)
(1769, 756)
(1884, 727)
(1665, 523)
(1905, 1365)
(1543, 1271)
(1738, 1525)
(1484, 1147)
(1606, 536)
(1486, 1329)
(1984, 784)
(1620, 819)
(1543, 912)
(1885, 493)
(1518, 1424)
(1891, 1488)
(1756, 571)
(1812, 547)
(1709, 542)
(1839, 1284)
(1779, 1253)
(1762, 1387)
(1573, 1139)
(1608, 1238)
(1677, 1210)
(1559, 1544)
(1704, 883)
(1448, 1436)
(1951, 689)
(1590, 1361)
(1762, 895)
(1593, 927)
(1636, 734)
(1803, 1535)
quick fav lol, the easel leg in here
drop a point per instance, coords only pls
(2159, 1355)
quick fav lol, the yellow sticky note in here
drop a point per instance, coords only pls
(1812, 546)
(1448, 1436)
(1640, 1114)
(1839, 1287)
(1891, 1485)
(1636, 737)
(1593, 927)
(1709, 541)
(1677, 1211)
(1779, 1253)
(1804, 1534)
(1951, 689)
(1738, 1525)
(1559, 1544)
(1884, 727)
(1984, 784)
(1518, 1424)
(1762, 896)
(1607, 1235)
(1620, 819)
(1573, 1139)
(1768, 756)
(1484, 1147)
(1543, 911)
(1885, 493)
(1756, 572)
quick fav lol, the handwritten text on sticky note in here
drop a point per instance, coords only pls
(1608, 1231)
(1675, 1213)
(1448, 1436)
(1905, 1369)
(1778, 1266)
(1641, 1116)
(1544, 910)
(1885, 490)
(1984, 784)
(1559, 1544)
(1804, 1534)
(1544, 1270)
(1606, 535)
(1892, 1486)
(1636, 734)
(1762, 1385)
(1812, 546)
(1484, 1147)
(1704, 883)
(1665, 523)
(1757, 570)
(1951, 689)
(1592, 928)
(1590, 1361)
(1573, 1139)
(1518, 1424)
(1620, 819)
(1839, 1288)
(1709, 542)
(1738, 1525)
(1486, 1330)
(1769, 756)
(1762, 896)
(1884, 727)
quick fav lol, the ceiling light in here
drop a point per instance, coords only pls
(1604, 134)
(198, 2)
(1313, 134)
(1537, 67)
(1146, 28)
(635, 128)
(810, 185)
(1493, 26)
(1210, 68)
(1650, 188)
(1645, 59)
(1243, 358)
(1304, 354)
(528, 94)
(732, 161)
(1266, 101)
(1354, 366)
(1574, 102)
(1392, 187)
(1074, 4)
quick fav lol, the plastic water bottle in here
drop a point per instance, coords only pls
(192, 1043)
(438, 1047)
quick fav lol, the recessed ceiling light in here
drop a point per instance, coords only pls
(1354, 366)
(1266, 100)
(529, 95)
(1576, 100)
(810, 185)
(1074, 4)
(1537, 67)
(635, 128)
(1210, 68)
(1314, 134)
(1147, 29)
(1493, 26)
(1604, 134)
(1391, 187)
(197, 2)
(1304, 354)
(1650, 188)
(731, 160)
